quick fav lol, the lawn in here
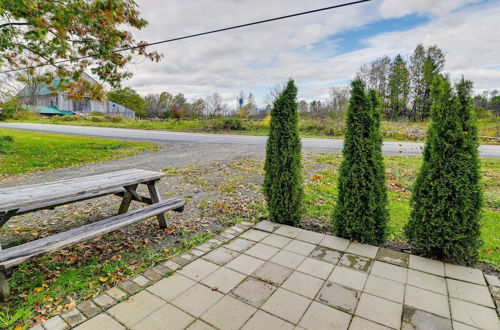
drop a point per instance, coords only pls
(321, 193)
(25, 152)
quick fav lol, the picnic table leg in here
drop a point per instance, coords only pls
(127, 199)
(155, 195)
(4, 286)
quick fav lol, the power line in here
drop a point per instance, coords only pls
(196, 34)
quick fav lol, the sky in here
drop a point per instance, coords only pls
(319, 51)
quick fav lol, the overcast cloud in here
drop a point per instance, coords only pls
(319, 50)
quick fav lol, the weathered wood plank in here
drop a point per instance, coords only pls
(47, 193)
(18, 254)
(64, 201)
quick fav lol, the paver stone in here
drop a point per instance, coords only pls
(384, 288)
(474, 293)
(338, 296)
(262, 320)
(288, 259)
(197, 299)
(286, 305)
(474, 315)
(427, 281)
(171, 287)
(228, 313)
(325, 254)
(101, 321)
(356, 262)
(391, 272)
(462, 273)
(414, 319)
(336, 243)
(364, 250)
(303, 284)
(245, 264)
(253, 292)
(262, 251)
(223, 279)
(393, 257)
(426, 265)
(167, 317)
(348, 277)
(272, 273)
(427, 301)
(380, 310)
(221, 256)
(136, 308)
(319, 317)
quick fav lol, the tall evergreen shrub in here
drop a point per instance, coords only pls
(283, 179)
(447, 196)
(361, 211)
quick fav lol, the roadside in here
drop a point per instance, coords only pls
(310, 128)
(308, 144)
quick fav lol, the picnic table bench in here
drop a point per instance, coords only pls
(25, 199)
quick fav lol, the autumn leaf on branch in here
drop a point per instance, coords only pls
(44, 32)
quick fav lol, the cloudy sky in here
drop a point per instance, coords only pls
(318, 50)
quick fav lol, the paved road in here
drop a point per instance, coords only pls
(309, 144)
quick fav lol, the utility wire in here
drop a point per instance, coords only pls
(196, 34)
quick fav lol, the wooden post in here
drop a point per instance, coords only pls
(4, 284)
(127, 199)
(155, 195)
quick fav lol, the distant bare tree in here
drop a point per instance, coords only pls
(214, 104)
(273, 94)
(339, 99)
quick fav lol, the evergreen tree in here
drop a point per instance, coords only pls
(361, 211)
(447, 196)
(283, 179)
(425, 64)
(399, 88)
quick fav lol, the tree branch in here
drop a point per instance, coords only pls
(12, 23)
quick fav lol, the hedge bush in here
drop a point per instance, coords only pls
(283, 179)
(447, 196)
(361, 212)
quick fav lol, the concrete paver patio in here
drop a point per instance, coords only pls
(269, 276)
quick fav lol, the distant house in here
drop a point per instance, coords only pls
(50, 103)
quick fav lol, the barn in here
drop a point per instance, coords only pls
(50, 103)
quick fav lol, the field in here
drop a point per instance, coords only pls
(25, 152)
(489, 129)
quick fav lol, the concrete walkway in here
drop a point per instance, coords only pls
(281, 277)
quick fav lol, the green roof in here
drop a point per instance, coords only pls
(66, 112)
(51, 110)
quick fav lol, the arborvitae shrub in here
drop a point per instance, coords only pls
(283, 179)
(447, 195)
(361, 211)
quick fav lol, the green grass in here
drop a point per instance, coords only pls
(321, 193)
(323, 128)
(30, 152)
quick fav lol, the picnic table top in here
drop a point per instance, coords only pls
(26, 196)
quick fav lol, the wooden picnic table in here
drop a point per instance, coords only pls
(25, 199)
